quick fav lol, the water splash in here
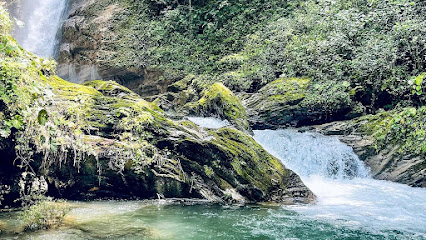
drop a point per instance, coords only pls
(347, 196)
(209, 122)
(311, 153)
(41, 21)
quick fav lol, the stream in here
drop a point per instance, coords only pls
(350, 205)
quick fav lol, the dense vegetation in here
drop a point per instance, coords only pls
(368, 51)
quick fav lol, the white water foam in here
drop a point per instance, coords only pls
(346, 194)
(42, 19)
(311, 153)
(209, 122)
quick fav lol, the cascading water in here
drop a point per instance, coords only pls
(37, 25)
(207, 122)
(311, 153)
(350, 204)
(346, 194)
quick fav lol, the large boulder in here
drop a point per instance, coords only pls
(297, 102)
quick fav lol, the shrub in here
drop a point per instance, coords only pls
(44, 214)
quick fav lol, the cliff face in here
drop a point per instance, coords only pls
(100, 41)
(78, 58)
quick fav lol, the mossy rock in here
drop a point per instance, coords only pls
(110, 88)
(391, 143)
(297, 102)
(219, 101)
(230, 160)
(405, 127)
(44, 214)
(287, 90)
(101, 140)
(182, 84)
(250, 161)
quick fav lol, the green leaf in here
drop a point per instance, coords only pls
(346, 84)
(43, 117)
(419, 79)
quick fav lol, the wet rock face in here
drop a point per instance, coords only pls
(98, 43)
(78, 57)
(386, 163)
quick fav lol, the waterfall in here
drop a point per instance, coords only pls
(347, 197)
(310, 153)
(346, 193)
(37, 24)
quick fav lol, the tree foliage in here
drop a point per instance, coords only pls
(375, 46)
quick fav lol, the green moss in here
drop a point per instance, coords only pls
(249, 159)
(218, 100)
(109, 88)
(219, 94)
(68, 89)
(5, 25)
(286, 89)
(404, 127)
(182, 84)
(208, 171)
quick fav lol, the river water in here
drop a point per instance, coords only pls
(350, 205)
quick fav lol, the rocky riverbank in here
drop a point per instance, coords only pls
(390, 143)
